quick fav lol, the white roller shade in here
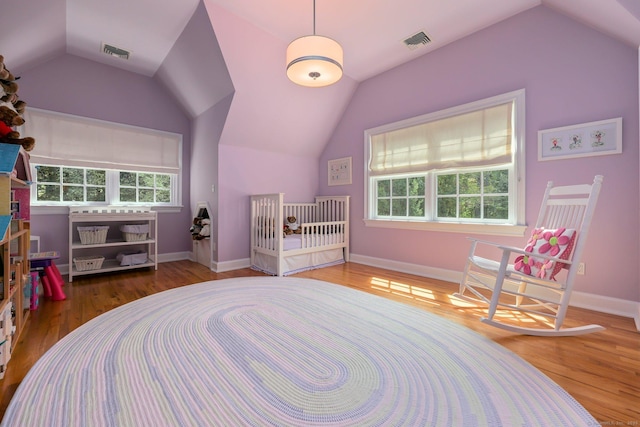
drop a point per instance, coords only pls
(67, 140)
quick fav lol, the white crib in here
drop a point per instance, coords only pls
(323, 241)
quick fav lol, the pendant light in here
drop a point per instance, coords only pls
(314, 61)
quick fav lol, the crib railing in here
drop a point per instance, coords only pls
(266, 221)
(304, 212)
(322, 234)
(323, 223)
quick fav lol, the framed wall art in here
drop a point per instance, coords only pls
(340, 171)
(583, 140)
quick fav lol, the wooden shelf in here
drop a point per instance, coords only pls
(114, 217)
(110, 243)
(110, 265)
(14, 244)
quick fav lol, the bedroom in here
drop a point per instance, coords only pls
(553, 98)
(541, 50)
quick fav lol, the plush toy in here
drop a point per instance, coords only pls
(9, 118)
(292, 222)
(9, 87)
(201, 228)
(205, 231)
(20, 106)
(4, 73)
(11, 98)
(196, 227)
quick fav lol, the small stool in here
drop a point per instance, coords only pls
(52, 280)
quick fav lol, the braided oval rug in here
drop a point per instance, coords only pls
(283, 352)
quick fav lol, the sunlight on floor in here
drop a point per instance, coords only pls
(404, 290)
(422, 294)
(514, 316)
(459, 302)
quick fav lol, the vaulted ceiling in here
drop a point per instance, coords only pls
(252, 37)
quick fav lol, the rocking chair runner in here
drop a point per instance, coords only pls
(529, 281)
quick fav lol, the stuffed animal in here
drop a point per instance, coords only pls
(201, 228)
(7, 80)
(8, 119)
(9, 87)
(4, 73)
(292, 222)
(20, 106)
(205, 231)
(9, 116)
(196, 227)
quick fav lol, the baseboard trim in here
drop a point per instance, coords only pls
(221, 267)
(603, 304)
(404, 267)
(175, 256)
(600, 303)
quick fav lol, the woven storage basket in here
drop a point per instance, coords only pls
(86, 263)
(93, 234)
(134, 233)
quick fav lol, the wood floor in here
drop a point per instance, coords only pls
(600, 370)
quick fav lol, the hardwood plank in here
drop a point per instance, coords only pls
(600, 370)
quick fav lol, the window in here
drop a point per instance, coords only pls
(78, 160)
(460, 169)
(482, 196)
(73, 185)
(60, 185)
(144, 188)
(401, 197)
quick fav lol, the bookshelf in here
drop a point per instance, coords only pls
(14, 249)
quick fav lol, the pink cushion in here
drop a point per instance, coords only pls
(554, 242)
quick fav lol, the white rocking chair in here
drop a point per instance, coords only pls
(522, 283)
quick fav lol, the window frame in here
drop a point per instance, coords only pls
(112, 191)
(516, 226)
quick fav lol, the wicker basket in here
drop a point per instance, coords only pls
(135, 232)
(93, 234)
(86, 263)
(134, 237)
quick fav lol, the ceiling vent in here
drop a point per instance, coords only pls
(417, 40)
(115, 51)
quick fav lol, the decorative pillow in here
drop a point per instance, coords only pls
(554, 242)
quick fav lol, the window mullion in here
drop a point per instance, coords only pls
(112, 192)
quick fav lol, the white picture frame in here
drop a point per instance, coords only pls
(583, 140)
(339, 171)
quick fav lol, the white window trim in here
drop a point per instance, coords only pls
(64, 210)
(517, 229)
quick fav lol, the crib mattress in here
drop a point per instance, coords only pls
(294, 241)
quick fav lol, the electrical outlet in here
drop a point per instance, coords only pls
(581, 269)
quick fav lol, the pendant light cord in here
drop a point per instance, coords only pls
(314, 17)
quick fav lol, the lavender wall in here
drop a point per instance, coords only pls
(74, 85)
(572, 74)
(245, 171)
(204, 162)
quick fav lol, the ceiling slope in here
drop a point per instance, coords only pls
(195, 71)
(240, 46)
(268, 112)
